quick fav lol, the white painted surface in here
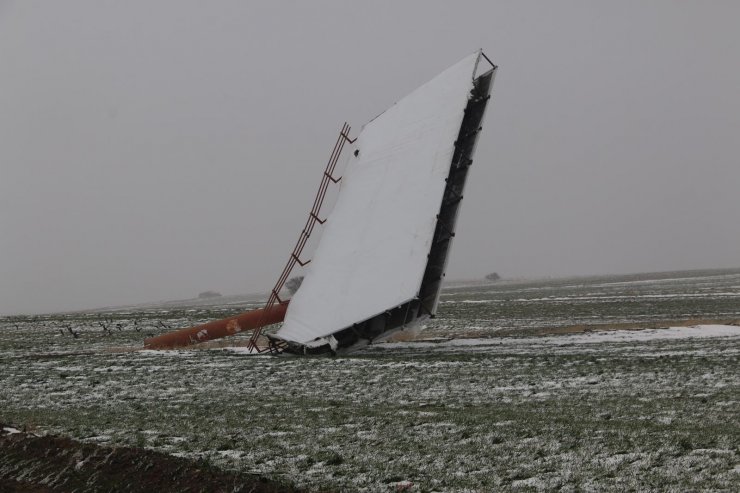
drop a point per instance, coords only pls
(373, 250)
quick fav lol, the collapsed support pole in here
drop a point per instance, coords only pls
(255, 319)
(275, 308)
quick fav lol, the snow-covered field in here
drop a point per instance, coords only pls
(599, 410)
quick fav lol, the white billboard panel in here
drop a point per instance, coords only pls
(373, 251)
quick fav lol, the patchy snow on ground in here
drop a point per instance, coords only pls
(483, 403)
(595, 337)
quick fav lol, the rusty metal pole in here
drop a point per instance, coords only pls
(274, 310)
(255, 319)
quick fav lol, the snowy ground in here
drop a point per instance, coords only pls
(599, 410)
(634, 334)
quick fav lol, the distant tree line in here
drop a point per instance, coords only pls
(209, 294)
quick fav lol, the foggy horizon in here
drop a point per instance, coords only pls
(149, 152)
(449, 281)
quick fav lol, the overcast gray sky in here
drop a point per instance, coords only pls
(150, 150)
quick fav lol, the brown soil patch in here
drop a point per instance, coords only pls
(52, 464)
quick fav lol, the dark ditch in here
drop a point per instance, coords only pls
(51, 464)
